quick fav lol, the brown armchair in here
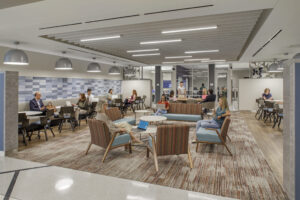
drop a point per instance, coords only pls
(170, 140)
(214, 136)
(101, 136)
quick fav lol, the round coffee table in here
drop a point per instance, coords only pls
(141, 111)
(153, 119)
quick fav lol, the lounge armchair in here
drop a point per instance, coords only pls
(170, 140)
(214, 136)
(115, 115)
(101, 136)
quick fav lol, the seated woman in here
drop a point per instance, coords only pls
(267, 95)
(120, 128)
(82, 104)
(167, 106)
(130, 100)
(50, 106)
(172, 96)
(220, 114)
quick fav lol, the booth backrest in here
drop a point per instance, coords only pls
(59, 102)
(182, 108)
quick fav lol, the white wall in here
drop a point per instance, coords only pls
(43, 65)
(143, 87)
(251, 89)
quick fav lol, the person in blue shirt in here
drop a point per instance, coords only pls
(267, 95)
(220, 113)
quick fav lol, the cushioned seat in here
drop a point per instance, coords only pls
(208, 135)
(127, 119)
(280, 114)
(182, 117)
(121, 139)
(150, 140)
(270, 109)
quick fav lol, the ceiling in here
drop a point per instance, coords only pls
(230, 37)
(13, 3)
(24, 22)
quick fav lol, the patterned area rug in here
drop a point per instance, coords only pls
(246, 175)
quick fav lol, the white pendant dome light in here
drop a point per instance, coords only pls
(297, 56)
(93, 67)
(273, 68)
(63, 64)
(16, 57)
(114, 70)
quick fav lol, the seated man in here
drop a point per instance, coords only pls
(167, 106)
(36, 104)
(211, 97)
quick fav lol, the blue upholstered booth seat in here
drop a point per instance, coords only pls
(182, 117)
(270, 109)
(127, 119)
(121, 139)
(207, 135)
(280, 114)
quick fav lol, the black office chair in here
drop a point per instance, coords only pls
(67, 114)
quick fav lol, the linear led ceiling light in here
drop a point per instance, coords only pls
(189, 29)
(173, 62)
(202, 51)
(141, 50)
(175, 57)
(146, 54)
(161, 41)
(212, 61)
(101, 38)
(197, 59)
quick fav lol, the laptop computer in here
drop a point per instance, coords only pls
(161, 106)
(143, 125)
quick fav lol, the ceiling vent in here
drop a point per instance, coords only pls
(268, 42)
(59, 26)
(179, 9)
(113, 18)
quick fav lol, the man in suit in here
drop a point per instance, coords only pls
(211, 97)
(36, 104)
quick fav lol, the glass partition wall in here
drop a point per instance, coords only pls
(195, 79)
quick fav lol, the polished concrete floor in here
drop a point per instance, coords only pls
(24, 180)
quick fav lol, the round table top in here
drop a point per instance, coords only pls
(32, 113)
(153, 118)
(142, 111)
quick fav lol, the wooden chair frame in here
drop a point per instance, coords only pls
(153, 151)
(220, 137)
(110, 147)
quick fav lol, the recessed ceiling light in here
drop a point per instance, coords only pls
(173, 62)
(161, 41)
(189, 29)
(202, 51)
(146, 54)
(197, 59)
(174, 57)
(100, 38)
(142, 50)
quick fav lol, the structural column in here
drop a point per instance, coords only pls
(158, 83)
(2, 106)
(211, 76)
(9, 115)
(291, 129)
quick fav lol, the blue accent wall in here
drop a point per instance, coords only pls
(297, 131)
(63, 88)
(2, 97)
